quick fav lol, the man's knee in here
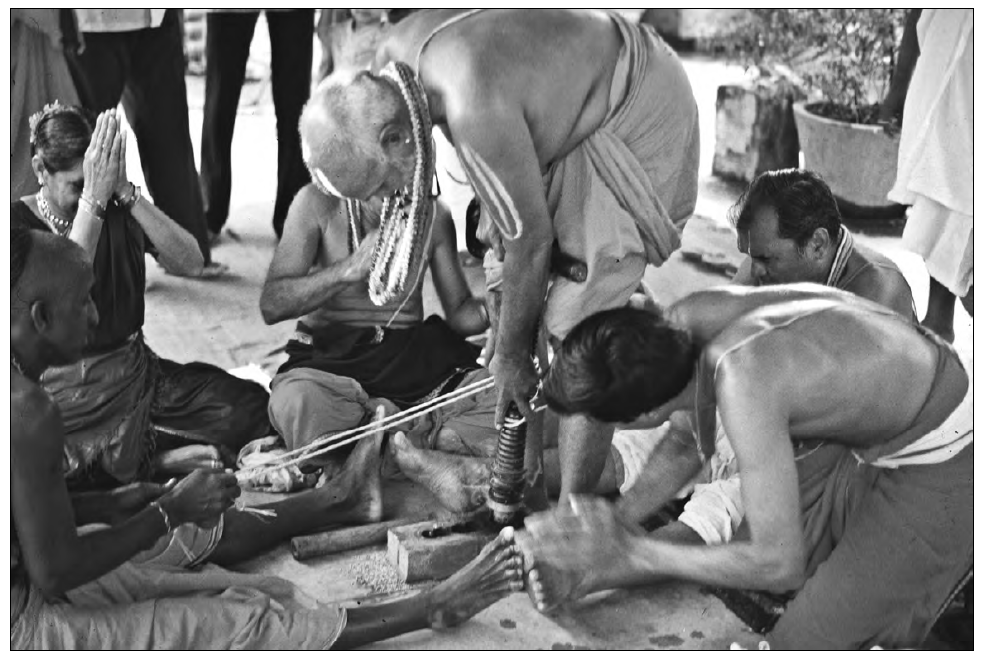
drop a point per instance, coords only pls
(306, 404)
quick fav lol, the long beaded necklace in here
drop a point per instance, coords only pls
(59, 226)
(401, 224)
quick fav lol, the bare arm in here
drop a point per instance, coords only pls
(498, 154)
(464, 313)
(886, 287)
(57, 559)
(774, 558)
(116, 505)
(672, 464)
(291, 289)
(177, 249)
(592, 535)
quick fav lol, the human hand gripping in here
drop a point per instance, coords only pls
(201, 498)
(361, 261)
(101, 163)
(130, 499)
(586, 534)
(516, 382)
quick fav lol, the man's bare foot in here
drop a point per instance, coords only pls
(549, 588)
(355, 494)
(493, 575)
(459, 483)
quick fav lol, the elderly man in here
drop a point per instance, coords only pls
(349, 356)
(96, 590)
(348, 352)
(856, 451)
(572, 125)
(790, 227)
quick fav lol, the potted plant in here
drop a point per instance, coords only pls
(843, 59)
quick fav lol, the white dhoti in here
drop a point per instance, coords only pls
(935, 173)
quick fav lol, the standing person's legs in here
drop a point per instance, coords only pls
(156, 103)
(227, 49)
(100, 71)
(291, 50)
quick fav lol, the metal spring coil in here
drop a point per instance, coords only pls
(507, 484)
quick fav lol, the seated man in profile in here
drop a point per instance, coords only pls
(347, 350)
(853, 433)
(790, 228)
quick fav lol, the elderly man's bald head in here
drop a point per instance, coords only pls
(40, 260)
(342, 129)
(50, 306)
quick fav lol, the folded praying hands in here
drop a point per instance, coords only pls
(104, 164)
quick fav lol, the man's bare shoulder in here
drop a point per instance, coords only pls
(34, 417)
(323, 210)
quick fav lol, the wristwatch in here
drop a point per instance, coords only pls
(132, 200)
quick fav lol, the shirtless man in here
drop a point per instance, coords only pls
(94, 591)
(572, 125)
(319, 277)
(790, 228)
(348, 353)
(852, 429)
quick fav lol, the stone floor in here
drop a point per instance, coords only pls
(219, 322)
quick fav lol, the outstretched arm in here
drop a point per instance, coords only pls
(591, 536)
(672, 464)
(57, 559)
(498, 154)
(465, 313)
(292, 289)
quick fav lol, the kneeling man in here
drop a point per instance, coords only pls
(852, 430)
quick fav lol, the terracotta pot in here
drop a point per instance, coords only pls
(857, 161)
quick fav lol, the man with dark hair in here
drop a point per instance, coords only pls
(852, 429)
(790, 227)
(97, 590)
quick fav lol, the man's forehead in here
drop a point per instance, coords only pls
(763, 229)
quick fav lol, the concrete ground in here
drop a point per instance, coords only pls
(219, 322)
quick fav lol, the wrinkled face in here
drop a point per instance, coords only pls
(775, 260)
(65, 189)
(73, 317)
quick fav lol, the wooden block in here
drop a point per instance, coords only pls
(417, 556)
(338, 541)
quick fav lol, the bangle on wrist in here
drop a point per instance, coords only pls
(164, 515)
(92, 207)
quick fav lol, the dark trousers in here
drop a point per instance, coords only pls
(146, 69)
(227, 48)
